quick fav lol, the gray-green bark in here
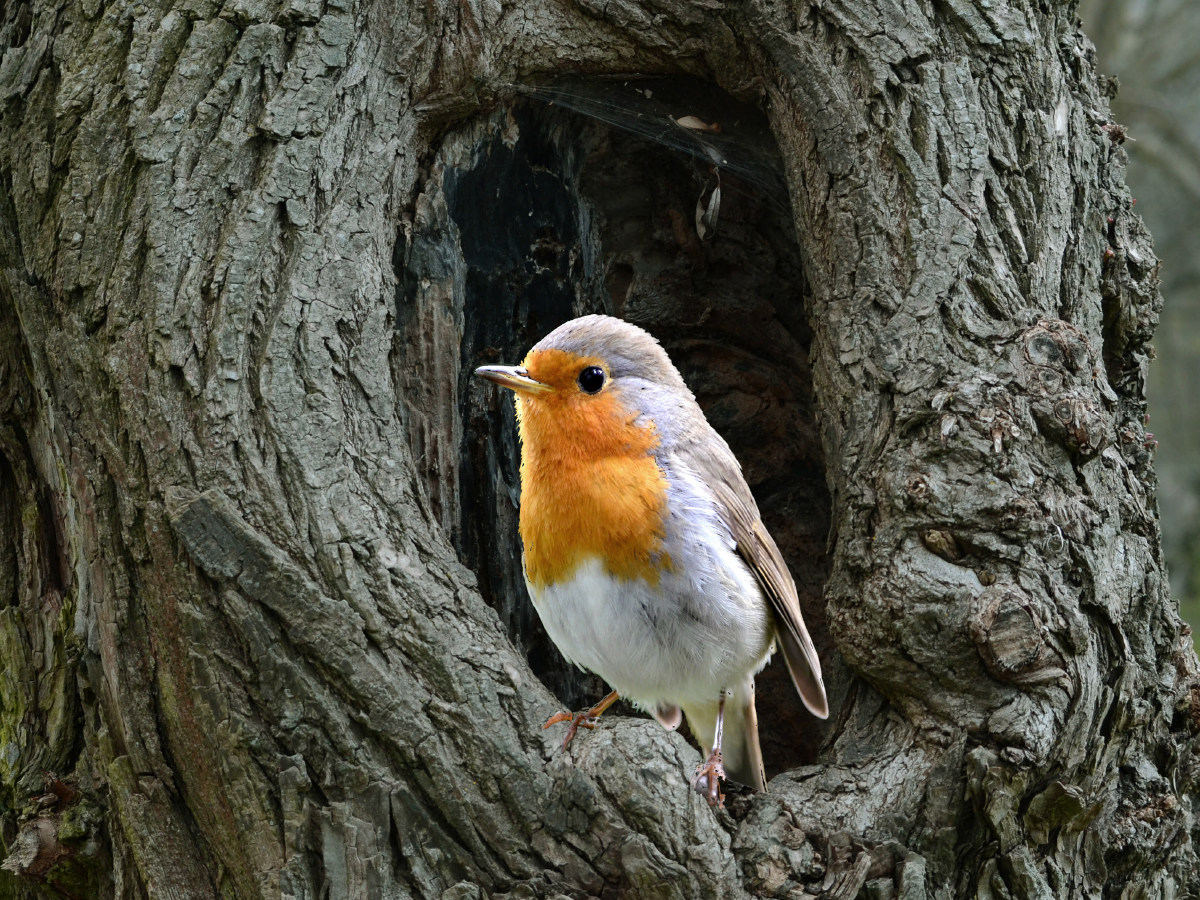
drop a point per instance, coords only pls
(234, 612)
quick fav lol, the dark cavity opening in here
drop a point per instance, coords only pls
(545, 211)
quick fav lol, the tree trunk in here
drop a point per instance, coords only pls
(261, 611)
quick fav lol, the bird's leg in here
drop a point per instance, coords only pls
(706, 781)
(586, 719)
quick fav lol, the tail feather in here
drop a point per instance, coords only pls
(742, 755)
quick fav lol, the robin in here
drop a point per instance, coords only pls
(644, 551)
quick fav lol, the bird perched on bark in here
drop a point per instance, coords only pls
(644, 551)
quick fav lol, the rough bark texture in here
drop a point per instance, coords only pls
(252, 503)
(1151, 48)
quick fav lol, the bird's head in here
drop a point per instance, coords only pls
(596, 383)
(597, 402)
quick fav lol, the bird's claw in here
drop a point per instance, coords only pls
(589, 718)
(577, 720)
(707, 780)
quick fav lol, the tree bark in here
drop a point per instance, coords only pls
(252, 503)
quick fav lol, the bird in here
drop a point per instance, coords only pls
(644, 552)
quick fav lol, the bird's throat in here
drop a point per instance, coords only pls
(590, 488)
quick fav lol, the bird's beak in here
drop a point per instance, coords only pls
(514, 377)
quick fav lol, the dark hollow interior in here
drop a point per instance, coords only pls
(578, 215)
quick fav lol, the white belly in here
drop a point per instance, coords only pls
(703, 628)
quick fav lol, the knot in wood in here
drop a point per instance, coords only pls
(1008, 635)
(943, 543)
(1049, 381)
(1058, 345)
(917, 488)
(1057, 369)
(1083, 427)
(1042, 349)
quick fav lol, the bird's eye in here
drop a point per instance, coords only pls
(591, 379)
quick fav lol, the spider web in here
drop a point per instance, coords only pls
(729, 136)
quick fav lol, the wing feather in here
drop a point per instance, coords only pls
(721, 472)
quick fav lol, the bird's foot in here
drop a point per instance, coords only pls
(707, 780)
(589, 718)
(578, 720)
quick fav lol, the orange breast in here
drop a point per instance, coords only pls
(589, 484)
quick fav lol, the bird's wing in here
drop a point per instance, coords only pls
(721, 472)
